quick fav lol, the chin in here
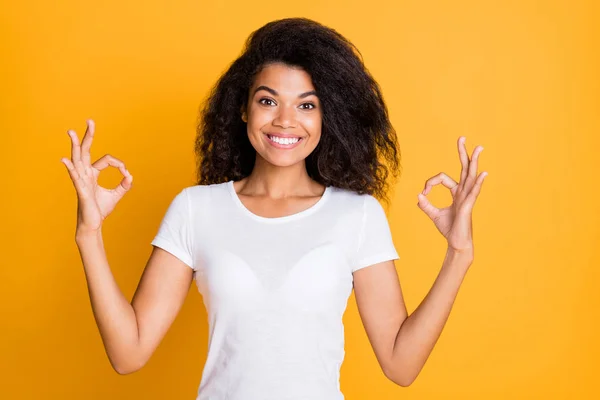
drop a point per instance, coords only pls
(282, 161)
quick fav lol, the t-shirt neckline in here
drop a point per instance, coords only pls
(304, 213)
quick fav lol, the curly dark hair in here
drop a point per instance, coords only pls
(356, 130)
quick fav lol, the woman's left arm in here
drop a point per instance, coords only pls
(377, 290)
(419, 332)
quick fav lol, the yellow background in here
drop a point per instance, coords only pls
(518, 77)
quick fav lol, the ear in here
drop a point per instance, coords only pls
(244, 116)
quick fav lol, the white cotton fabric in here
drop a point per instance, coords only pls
(275, 289)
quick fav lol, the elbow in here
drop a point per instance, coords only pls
(124, 370)
(398, 378)
(401, 381)
(127, 367)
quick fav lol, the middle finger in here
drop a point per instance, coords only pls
(76, 152)
(87, 143)
(464, 160)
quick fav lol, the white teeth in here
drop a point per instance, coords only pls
(283, 140)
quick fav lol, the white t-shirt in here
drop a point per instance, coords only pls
(275, 289)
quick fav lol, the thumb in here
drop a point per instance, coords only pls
(124, 186)
(426, 206)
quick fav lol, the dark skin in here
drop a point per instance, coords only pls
(278, 186)
(284, 103)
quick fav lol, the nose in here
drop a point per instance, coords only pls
(286, 117)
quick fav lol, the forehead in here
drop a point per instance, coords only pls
(284, 79)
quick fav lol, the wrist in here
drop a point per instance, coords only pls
(459, 258)
(82, 235)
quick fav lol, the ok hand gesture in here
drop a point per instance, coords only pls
(454, 221)
(95, 203)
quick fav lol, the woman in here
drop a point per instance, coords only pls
(280, 228)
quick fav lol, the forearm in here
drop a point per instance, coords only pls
(420, 331)
(113, 313)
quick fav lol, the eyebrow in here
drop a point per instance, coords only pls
(274, 92)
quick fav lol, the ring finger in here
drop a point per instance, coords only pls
(472, 176)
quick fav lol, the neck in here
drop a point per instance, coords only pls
(278, 182)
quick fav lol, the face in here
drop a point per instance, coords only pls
(283, 115)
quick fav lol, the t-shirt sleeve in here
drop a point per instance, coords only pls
(375, 243)
(174, 234)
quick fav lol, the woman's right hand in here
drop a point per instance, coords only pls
(95, 203)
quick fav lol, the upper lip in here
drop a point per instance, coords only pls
(283, 135)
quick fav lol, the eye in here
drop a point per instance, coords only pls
(265, 98)
(308, 104)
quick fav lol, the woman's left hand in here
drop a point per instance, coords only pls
(454, 221)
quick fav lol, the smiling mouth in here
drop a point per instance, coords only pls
(283, 143)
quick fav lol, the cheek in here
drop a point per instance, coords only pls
(312, 124)
(260, 118)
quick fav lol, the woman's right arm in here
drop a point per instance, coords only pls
(130, 332)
